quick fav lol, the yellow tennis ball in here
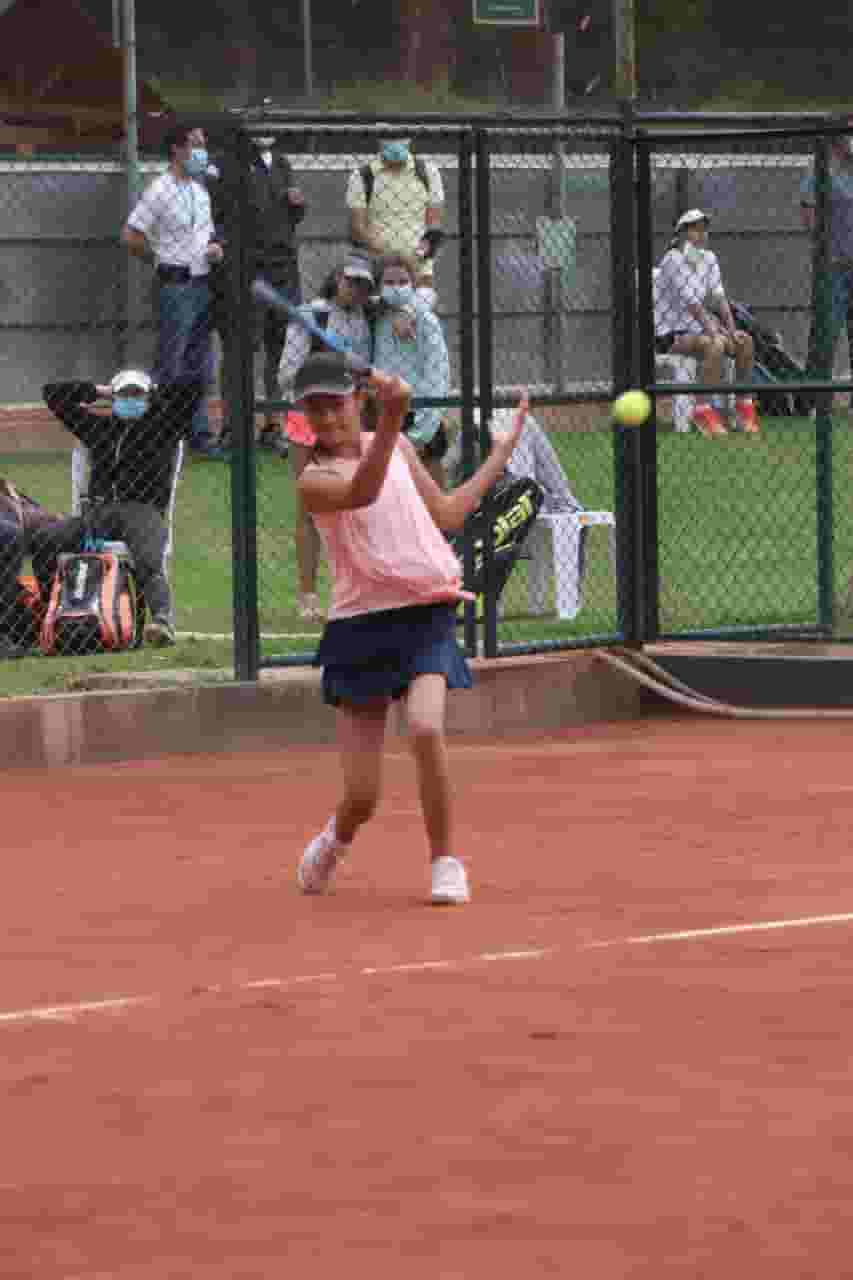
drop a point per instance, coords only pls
(632, 408)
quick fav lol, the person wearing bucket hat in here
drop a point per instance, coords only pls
(343, 309)
(693, 318)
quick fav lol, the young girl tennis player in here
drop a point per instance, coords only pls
(391, 627)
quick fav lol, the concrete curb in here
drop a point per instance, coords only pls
(284, 709)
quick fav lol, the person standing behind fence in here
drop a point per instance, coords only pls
(342, 310)
(409, 341)
(396, 203)
(172, 222)
(840, 223)
(277, 207)
(693, 318)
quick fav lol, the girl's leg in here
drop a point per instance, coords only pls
(361, 736)
(425, 707)
(307, 541)
(361, 732)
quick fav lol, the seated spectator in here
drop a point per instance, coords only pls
(535, 458)
(693, 318)
(133, 454)
(409, 341)
(342, 310)
(20, 518)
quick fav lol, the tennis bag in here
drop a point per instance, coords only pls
(93, 605)
(773, 368)
(506, 514)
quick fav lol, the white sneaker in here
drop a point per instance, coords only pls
(449, 883)
(319, 862)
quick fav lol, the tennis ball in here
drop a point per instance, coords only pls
(632, 408)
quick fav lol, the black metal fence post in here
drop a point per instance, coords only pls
(240, 414)
(648, 440)
(824, 345)
(485, 332)
(467, 350)
(626, 453)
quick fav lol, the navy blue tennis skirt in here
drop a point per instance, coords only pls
(378, 655)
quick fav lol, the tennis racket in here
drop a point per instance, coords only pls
(508, 511)
(263, 292)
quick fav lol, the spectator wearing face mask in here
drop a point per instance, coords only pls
(693, 318)
(276, 207)
(840, 219)
(173, 225)
(134, 456)
(343, 310)
(396, 204)
(409, 341)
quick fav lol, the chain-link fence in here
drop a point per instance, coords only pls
(478, 259)
(744, 299)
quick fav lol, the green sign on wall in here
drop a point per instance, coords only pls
(514, 13)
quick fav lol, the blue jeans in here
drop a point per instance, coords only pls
(184, 348)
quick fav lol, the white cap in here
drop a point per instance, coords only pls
(131, 378)
(691, 216)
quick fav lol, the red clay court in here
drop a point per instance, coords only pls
(206, 1074)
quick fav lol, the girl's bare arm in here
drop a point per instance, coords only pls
(449, 510)
(322, 489)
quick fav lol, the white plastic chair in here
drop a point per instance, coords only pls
(555, 546)
(675, 368)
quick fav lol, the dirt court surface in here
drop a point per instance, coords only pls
(207, 1075)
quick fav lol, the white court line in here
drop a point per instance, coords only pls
(287, 982)
(722, 931)
(50, 1012)
(46, 1013)
(70, 1010)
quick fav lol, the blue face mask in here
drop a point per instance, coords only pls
(395, 152)
(398, 295)
(129, 407)
(198, 162)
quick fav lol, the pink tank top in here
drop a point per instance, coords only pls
(391, 554)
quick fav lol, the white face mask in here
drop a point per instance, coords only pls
(693, 253)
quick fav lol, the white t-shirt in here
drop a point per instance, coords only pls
(176, 221)
(398, 203)
(683, 280)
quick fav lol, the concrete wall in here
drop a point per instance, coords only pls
(510, 695)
